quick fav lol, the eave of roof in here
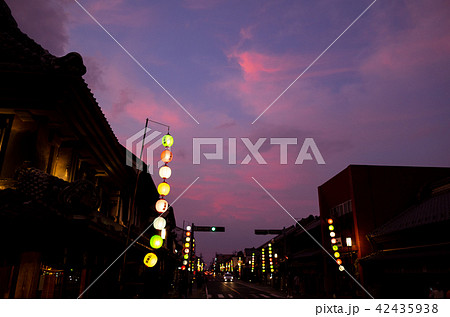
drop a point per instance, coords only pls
(433, 210)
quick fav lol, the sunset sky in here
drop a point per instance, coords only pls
(380, 95)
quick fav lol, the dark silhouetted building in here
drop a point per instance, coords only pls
(361, 199)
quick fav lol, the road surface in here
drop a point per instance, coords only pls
(218, 289)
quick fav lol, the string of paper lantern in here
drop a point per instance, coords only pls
(161, 205)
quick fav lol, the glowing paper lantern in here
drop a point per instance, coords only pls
(150, 259)
(163, 189)
(330, 221)
(335, 247)
(186, 256)
(333, 240)
(331, 227)
(156, 242)
(161, 205)
(165, 172)
(159, 223)
(167, 140)
(186, 245)
(337, 254)
(166, 156)
(332, 234)
(339, 261)
(341, 268)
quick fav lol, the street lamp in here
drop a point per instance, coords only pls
(348, 241)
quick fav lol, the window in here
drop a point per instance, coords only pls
(341, 209)
(5, 129)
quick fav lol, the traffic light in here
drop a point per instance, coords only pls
(208, 228)
(271, 231)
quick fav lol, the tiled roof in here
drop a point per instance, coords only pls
(433, 210)
(18, 52)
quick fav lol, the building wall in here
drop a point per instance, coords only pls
(376, 194)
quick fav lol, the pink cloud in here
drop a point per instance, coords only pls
(425, 41)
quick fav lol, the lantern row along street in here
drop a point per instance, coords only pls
(334, 244)
(189, 241)
(161, 206)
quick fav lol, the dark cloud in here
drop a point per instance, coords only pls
(45, 21)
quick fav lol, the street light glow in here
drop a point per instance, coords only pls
(348, 241)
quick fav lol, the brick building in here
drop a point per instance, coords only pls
(361, 199)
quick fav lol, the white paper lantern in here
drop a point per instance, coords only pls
(161, 205)
(159, 223)
(165, 172)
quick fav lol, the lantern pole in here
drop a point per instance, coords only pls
(168, 127)
(133, 203)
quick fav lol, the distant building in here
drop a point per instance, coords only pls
(290, 258)
(294, 256)
(361, 199)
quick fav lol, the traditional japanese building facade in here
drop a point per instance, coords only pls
(65, 190)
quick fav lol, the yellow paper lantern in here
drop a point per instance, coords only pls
(150, 259)
(156, 242)
(163, 189)
(167, 140)
(161, 205)
(165, 172)
(166, 156)
(159, 223)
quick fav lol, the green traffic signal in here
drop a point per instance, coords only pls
(213, 228)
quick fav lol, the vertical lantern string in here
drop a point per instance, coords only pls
(161, 205)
